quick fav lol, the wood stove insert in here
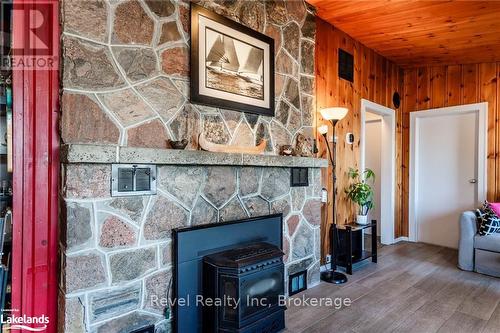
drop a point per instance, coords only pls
(251, 274)
(190, 247)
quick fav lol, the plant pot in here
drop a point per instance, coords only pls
(362, 219)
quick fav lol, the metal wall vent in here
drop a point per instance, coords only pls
(147, 329)
(133, 179)
(297, 282)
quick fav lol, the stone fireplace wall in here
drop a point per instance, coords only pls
(126, 74)
(125, 82)
(117, 251)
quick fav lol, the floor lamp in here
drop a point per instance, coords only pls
(333, 115)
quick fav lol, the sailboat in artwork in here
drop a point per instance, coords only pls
(226, 73)
(253, 67)
(222, 56)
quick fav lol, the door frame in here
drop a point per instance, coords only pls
(36, 173)
(388, 165)
(482, 143)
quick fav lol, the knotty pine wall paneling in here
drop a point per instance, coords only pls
(375, 79)
(421, 88)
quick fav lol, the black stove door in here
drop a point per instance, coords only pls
(259, 294)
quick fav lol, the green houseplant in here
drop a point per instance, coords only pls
(361, 193)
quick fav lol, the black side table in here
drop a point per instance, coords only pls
(344, 237)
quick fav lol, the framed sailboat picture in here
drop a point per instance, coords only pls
(232, 66)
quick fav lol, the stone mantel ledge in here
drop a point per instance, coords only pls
(105, 154)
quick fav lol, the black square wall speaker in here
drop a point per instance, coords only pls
(346, 66)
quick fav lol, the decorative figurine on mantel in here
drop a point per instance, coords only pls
(303, 146)
(173, 144)
(286, 150)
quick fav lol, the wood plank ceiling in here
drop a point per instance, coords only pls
(412, 33)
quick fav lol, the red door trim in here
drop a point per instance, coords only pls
(35, 183)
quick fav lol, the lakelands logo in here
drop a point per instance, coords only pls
(32, 45)
(32, 324)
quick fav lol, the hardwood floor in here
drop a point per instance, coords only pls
(413, 288)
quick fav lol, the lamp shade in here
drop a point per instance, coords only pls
(323, 129)
(334, 113)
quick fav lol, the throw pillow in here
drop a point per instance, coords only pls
(488, 221)
(495, 206)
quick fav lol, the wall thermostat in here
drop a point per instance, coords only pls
(349, 138)
(324, 195)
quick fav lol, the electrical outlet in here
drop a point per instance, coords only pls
(328, 258)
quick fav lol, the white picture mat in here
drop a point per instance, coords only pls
(204, 23)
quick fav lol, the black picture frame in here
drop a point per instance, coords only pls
(198, 97)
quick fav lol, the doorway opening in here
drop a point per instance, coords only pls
(378, 144)
(447, 170)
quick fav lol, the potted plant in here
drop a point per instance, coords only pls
(361, 193)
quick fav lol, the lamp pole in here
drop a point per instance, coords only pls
(330, 275)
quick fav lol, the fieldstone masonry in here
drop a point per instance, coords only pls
(118, 250)
(126, 73)
(125, 82)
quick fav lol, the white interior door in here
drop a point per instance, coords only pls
(373, 161)
(446, 175)
(378, 152)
